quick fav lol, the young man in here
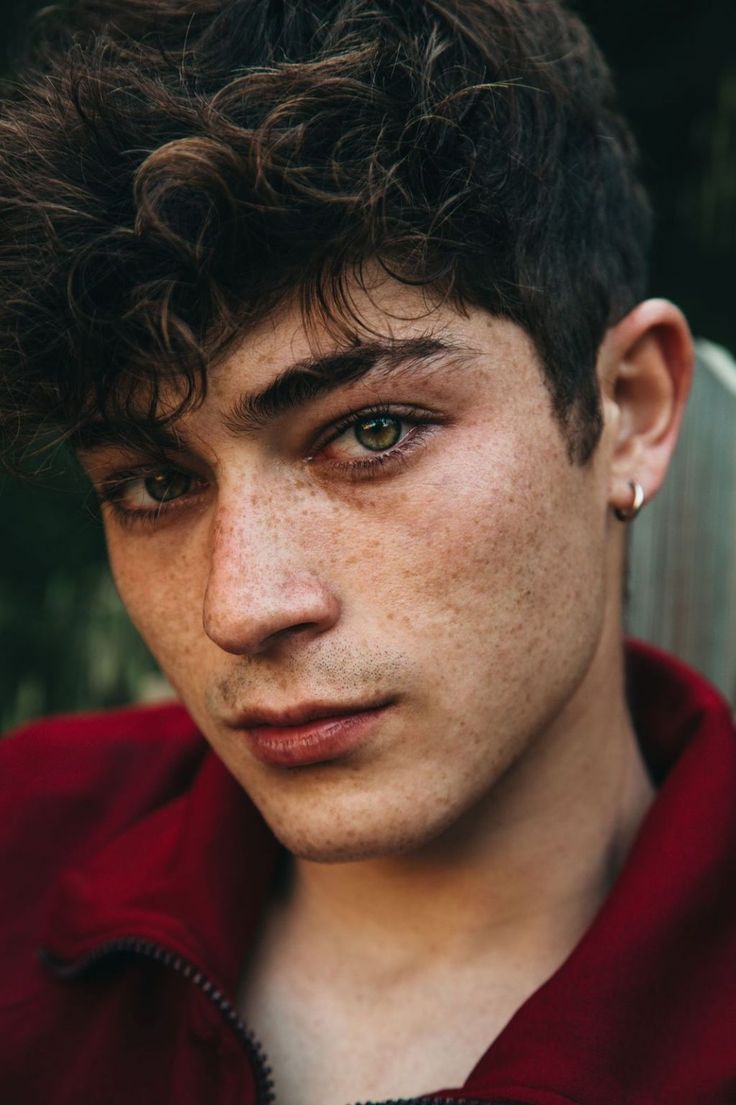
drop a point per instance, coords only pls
(341, 306)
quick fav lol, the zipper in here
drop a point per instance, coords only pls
(134, 946)
(265, 1093)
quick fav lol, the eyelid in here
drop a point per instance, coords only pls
(126, 475)
(140, 466)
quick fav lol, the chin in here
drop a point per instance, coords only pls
(345, 813)
(349, 850)
(346, 835)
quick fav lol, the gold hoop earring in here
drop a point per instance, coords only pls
(628, 515)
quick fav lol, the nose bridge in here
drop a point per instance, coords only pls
(261, 580)
(245, 527)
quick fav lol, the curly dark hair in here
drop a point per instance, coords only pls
(172, 170)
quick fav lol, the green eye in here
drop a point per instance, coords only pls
(378, 433)
(166, 486)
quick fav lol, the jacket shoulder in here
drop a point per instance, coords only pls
(70, 783)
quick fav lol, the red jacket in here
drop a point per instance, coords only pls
(134, 869)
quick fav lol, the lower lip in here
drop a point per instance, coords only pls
(318, 741)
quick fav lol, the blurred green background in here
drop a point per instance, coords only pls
(66, 642)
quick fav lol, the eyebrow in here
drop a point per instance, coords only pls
(295, 387)
(311, 378)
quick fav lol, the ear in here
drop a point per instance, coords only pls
(646, 365)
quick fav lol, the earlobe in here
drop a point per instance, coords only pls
(646, 370)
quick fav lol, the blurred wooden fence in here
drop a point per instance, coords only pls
(682, 585)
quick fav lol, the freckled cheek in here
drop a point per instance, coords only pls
(158, 586)
(463, 535)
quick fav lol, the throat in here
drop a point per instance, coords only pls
(326, 1047)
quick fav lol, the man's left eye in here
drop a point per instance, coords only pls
(374, 433)
(378, 433)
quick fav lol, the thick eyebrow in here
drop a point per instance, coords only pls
(297, 385)
(312, 378)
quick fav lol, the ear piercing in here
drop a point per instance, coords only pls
(628, 515)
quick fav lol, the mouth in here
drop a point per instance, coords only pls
(309, 734)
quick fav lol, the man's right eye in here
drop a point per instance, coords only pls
(165, 486)
(146, 495)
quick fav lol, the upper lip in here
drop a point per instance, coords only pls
(302, 714)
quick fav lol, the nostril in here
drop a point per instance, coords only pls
(289, 631)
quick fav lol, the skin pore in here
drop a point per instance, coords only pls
(470, 581)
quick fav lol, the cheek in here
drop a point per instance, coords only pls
(481, 529)
(157, 581)
(493, 575)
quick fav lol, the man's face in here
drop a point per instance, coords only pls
(414, 540)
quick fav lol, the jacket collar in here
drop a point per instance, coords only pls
(645, 1001)
(194, 875)
(191, 876)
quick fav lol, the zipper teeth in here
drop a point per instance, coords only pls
(265, 1093)
(264, 1079)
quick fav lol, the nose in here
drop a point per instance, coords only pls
(261, 590)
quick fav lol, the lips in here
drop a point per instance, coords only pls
(310, 733)
(294, 716)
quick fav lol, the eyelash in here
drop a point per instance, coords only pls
(113, 489)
